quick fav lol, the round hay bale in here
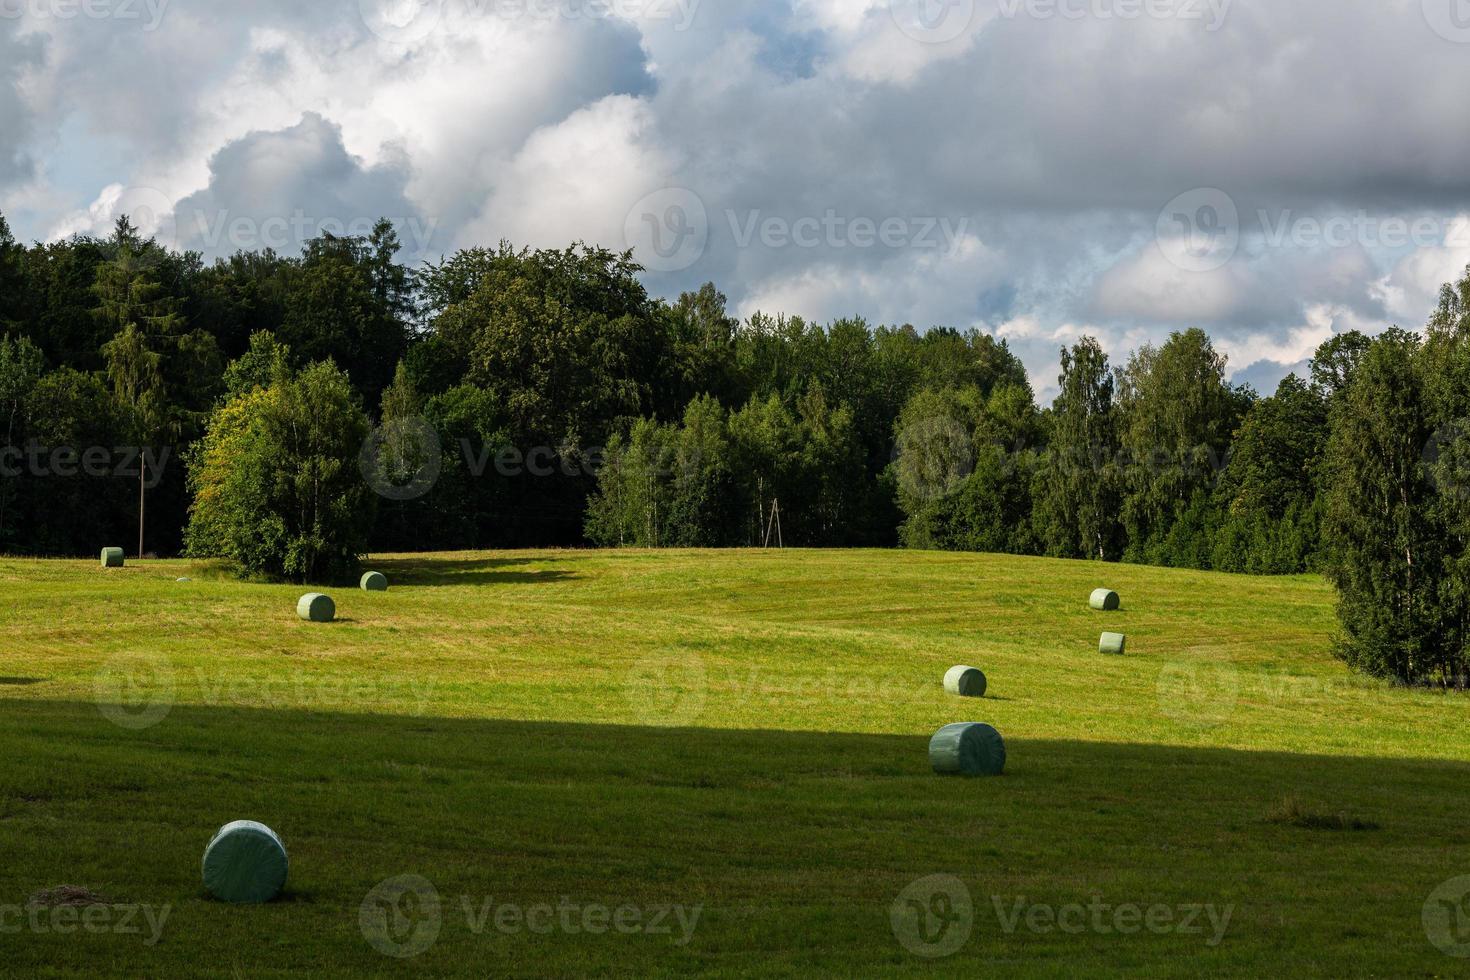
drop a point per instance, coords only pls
(374, 582)
(966, 682)
(1105, 600)
(316, 608)
(245, 863)
(1114, 643)
(967, 749)
(112, 558)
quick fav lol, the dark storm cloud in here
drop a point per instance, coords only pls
(279, 189)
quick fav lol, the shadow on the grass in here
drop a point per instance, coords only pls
(796, 842)
(1146, 775)
(469, 571)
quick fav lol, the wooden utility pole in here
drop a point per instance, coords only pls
(760, 506)
(142, 469)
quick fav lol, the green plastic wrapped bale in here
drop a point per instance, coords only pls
(967, 749)
(374, 582)
(112, 558)
(1112, 643)
(316, 608)
(1105, 600)
(966, 682)
(245, 863)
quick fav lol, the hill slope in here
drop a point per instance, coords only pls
(737, 738)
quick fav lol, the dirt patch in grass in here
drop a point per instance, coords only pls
(1291, 813)
(66, 895)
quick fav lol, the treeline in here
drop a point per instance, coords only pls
(297, 411)
(937, 442)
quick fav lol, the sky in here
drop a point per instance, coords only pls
(1273, 171)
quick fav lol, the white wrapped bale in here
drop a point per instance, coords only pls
(316, 608)
(967, 749)
(965, 682)
(245, 863)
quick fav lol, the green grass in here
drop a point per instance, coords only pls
(740, 732)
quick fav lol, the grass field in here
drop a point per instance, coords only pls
(662, 763)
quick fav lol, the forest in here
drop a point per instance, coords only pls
(291, 413)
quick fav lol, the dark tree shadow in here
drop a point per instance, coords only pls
(469, 571)
(795, 844)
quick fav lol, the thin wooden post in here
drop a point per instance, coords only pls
(142, 469)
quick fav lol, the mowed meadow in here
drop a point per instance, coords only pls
(716, 762)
